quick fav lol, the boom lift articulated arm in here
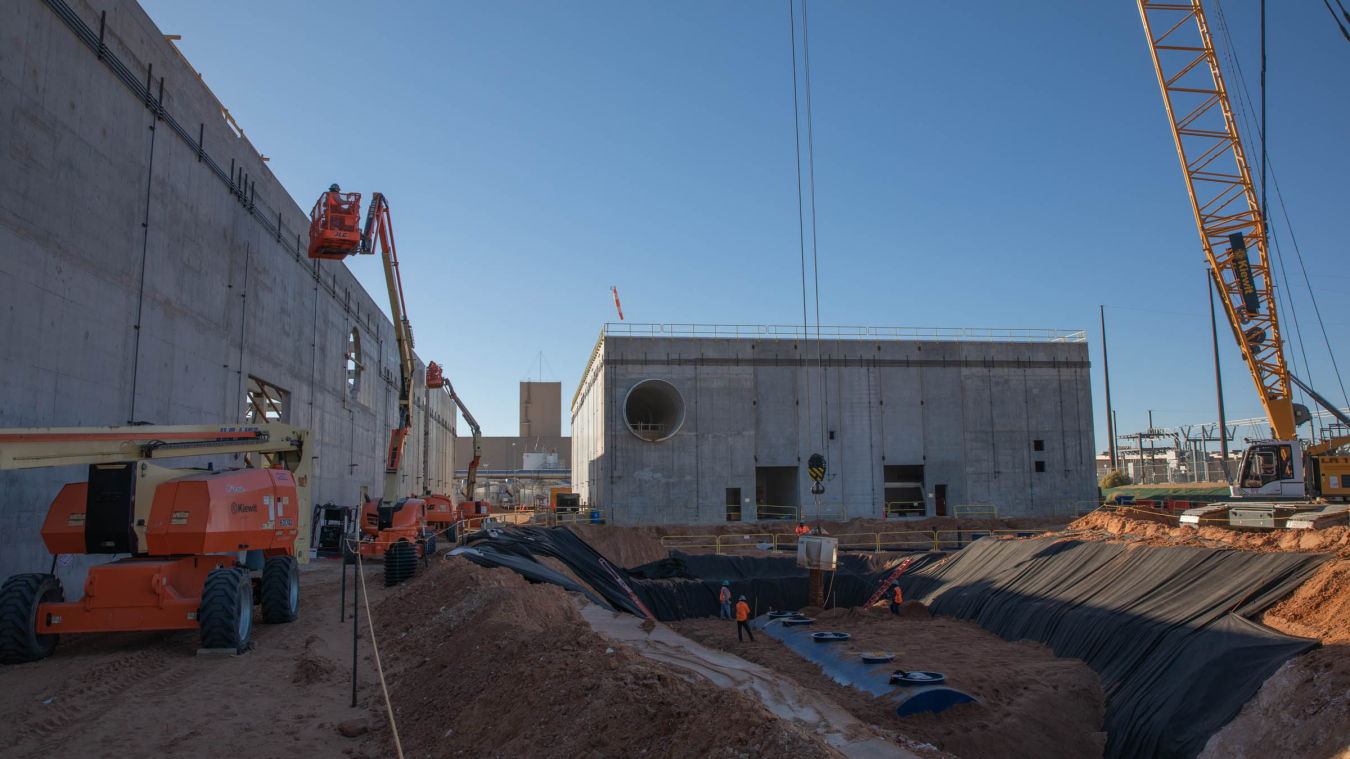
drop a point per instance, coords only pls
(332, 235)
(435, 375)
(379, 225)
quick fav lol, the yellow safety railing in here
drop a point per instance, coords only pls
(904, 509)
(859, 541)
(918, 540)
(765, 511)
(747, 540)
(1076, 508)
(832, 513)
(983, 510)
(689, 541)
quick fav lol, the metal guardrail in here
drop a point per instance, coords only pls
(1076, 508)
(765, 511)
(968, 510)
(839, 333)
(904, 540)
(830, 513)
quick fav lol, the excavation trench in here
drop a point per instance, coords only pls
(1168, 630)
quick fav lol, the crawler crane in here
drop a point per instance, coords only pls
(1229, 216)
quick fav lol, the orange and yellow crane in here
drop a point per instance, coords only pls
(1233, 233)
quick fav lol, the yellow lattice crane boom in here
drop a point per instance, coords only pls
(1228, 215)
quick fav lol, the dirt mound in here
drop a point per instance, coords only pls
(312, 666)
(1302, 712)
(625, 545)
(1106, 525)
(853, 613)
(481, 661)
(1320, 608)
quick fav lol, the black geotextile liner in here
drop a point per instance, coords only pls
(685, 586)
(1164, 627)
(488, 556)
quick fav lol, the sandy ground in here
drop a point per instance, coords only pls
(480, 662)
(130, 695)
(1032, 704)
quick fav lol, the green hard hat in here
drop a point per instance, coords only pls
(334, 188)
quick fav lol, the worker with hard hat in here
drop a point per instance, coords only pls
(724, 597)
(743, 614)
(802, 529)
(335, 203)
(896, 599)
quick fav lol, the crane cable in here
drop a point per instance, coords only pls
(1284, 210)
(801, 215)
(815, 266)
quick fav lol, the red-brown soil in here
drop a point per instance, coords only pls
(1106, 525)
(1032, 704)
(480, 661)
(626, 546)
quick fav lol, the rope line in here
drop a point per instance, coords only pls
(379, 668)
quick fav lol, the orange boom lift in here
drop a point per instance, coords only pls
(193, 535)
(402, 530)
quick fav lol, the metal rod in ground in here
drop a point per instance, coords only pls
(342, 601)
(355, 618)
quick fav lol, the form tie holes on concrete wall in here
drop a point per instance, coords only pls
(653, 410)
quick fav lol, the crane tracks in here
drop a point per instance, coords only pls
(86, 697)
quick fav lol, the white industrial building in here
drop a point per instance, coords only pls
(700, 424)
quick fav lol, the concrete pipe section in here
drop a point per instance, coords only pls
(653, 410)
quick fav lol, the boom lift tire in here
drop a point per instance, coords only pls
(349, 549)
(226, 615)
(19, 600)
(280, 590)
(431, 545)
(400, 563)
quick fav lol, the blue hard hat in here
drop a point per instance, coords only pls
(724, 582)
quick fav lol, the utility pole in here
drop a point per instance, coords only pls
(1218, 376)
(1106, 370)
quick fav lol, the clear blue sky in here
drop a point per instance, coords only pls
(977, 164)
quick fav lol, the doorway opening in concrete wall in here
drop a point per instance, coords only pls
(653, 409)
(733, 504)
(904, 490)
(776, 494)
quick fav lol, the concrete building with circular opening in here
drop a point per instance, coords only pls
(685, 424)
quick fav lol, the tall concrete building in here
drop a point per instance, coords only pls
(540, 409)
(540, 433)
(681, 425)
(153, 269)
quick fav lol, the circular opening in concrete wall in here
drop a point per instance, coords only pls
(653, 410)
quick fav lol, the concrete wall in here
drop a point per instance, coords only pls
(968, 412)
(137, 285)
(509, 452)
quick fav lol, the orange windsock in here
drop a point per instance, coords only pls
(615, 290)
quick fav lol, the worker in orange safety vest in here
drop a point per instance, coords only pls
(802, 529)
(743, 614)
(897, 599)
(336, 205)
(724, 596)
